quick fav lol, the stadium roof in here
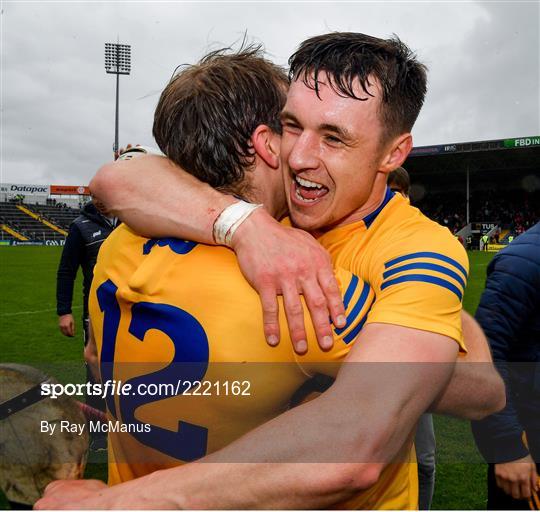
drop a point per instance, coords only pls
(503, 154)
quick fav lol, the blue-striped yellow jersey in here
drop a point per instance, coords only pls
(167, 310)
(418, 272)
(417, 269)
(412, 265)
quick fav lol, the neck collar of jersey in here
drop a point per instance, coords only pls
(370, 217)
(363, 224)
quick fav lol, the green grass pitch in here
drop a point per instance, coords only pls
(29, 335)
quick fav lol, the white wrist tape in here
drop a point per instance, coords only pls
(230, 219)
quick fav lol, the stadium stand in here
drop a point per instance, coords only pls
(26, 222)
(59, 214)
(39, 218)
(513, 210)
(478, 188)
(446, 210)
(9, 234)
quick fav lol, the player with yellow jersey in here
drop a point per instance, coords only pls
(335, 155)
(202, 292)
(173, 312)
(176, 313)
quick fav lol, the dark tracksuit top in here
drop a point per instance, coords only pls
(509, 313)
(86, 234)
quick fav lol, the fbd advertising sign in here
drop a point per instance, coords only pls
(522, 142)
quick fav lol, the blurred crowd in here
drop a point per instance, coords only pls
(513, 210)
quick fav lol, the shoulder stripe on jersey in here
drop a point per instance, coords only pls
(350, 291)
(355, 311)
(424, 279)
(434, 255)
(354, 333)
(426, 266)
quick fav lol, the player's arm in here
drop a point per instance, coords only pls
(91, 354)
(157, 198)
(320, 452)
(509, 300)
(476, 389)
(65, 279)
(420, 282)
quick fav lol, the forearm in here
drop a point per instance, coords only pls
(207, 486)
(64, 294)
(290, 462)
(476, 388)
(313, 456)
(319, 453)
(158, 199)
(353, 430)
(65, 283)
(68, 267)
(91, 355)
(474, 392)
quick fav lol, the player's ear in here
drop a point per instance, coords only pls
(397, 153)
(266, 144)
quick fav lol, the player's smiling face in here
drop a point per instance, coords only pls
(330, 152)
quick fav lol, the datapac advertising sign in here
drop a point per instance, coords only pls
(24, 189)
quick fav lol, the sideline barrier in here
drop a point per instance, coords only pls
(49, 243)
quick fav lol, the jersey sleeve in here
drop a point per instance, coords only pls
(419, 283)
(358, 297)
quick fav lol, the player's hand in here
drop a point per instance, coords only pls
(67, 325)
(121, 151)
(517, 478)
(72, 494)
(137, 494)
(278, 260)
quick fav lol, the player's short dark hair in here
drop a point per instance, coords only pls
(399, 180)
(350, 56)
(208, 112)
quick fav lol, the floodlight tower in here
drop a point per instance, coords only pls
(117, 62)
